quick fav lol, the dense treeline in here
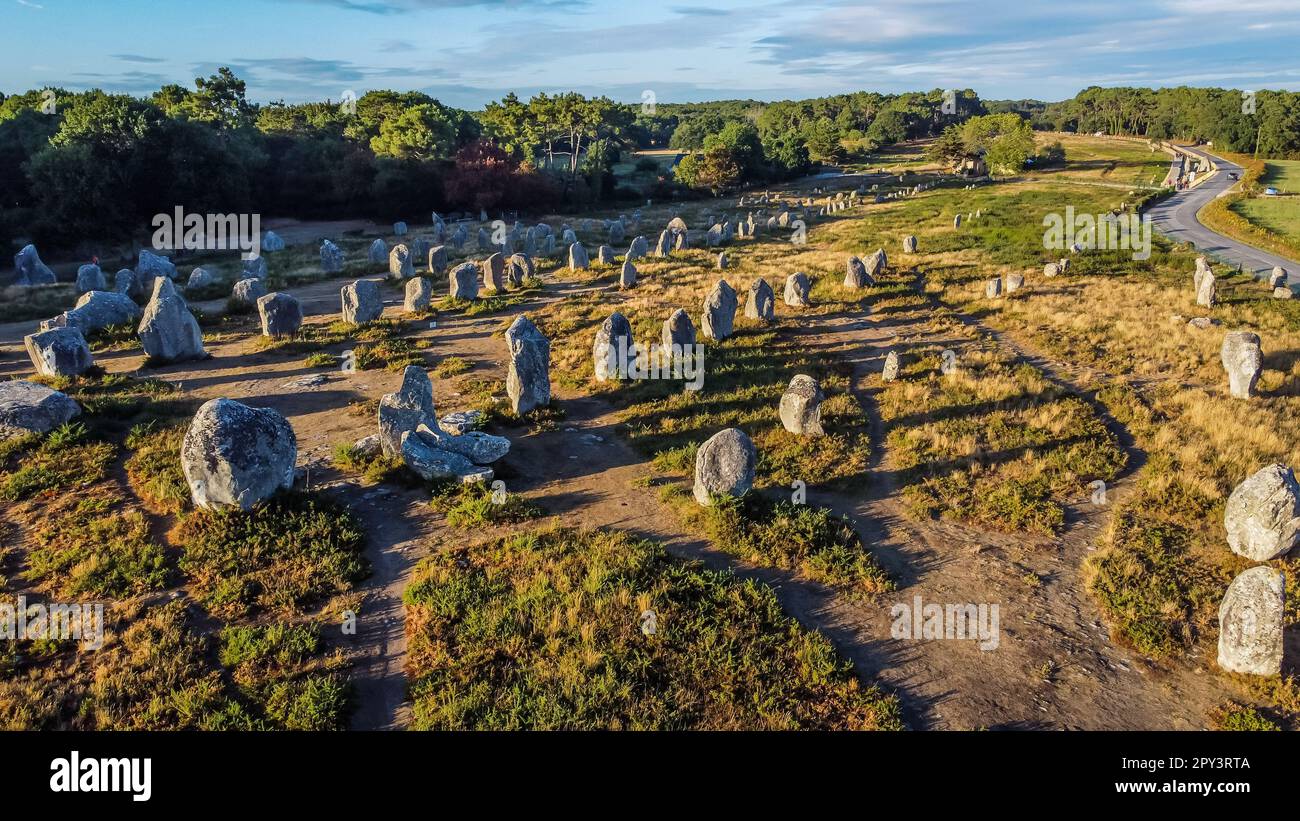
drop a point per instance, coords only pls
(1269, 122)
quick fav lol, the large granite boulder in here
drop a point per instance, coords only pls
(378, 251)
(627, 275)
(168, 331)
(234, 456)
(724, 466)
(909, 244)
(494, 272)
(272, 242)
(578, 260)
(30, 270)
(678, 331)
(361, 302)
(438, 259)
(400, 265)
(614, 351)
(801, 406)
(1251, 618)
(199, 278)
(90, 278)
(1262, 516)
(528, 379)
(150, 266)
(464, 281)
(59, 352)
(419, 296)
(406, 409)
(29, 407)
(638, 249)
(719, 311)
(761, 302)
(431, 462)
(246, 293)
(281, 314)
(101, 309)
(475, 445)
(1243, 361)
(797, 290)
(856, 276)
(331, 258)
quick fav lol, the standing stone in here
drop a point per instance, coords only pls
(331, 258)
(627, 276)
(150, 266)
(246, 292)
(100, 309)
(29, 407)
(30, 270)
(459, 237)
(578, 257)
(722, 261)
(605, 255)
(638, 249)
(909, 245)
(678, 332)
(856, 276)
(519, 268)
(59, 352)
(437, 259)
(724, 466)
(681, 241)
(494, 272)
(797, 288)
(254, 268)
(419, 295)
(1283, 292)
(399, 229)
(399, 262)
(890, 372)
(528, 379)
(126, 283)
(664, 247)
(91, 278)
(677, 225)
(484, 240)
(378, 250)
(1242, 360)
(614, 352)
(236, 456)
(956, 221)
(199, 278)
(1207, 291)
(1262, 516)
(761, 302)
(361, 301)
(719, 311)
(271, 242)
(1051, 269)
(168, 331)
(281, 314)
(464, 281)
(1015, 282)
(1278, 278)
(993, 288)
(405, 410)
(801, 406)
(1250, 622)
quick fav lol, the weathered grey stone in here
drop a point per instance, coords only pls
(254, 268)
(236, 456)
(484, 240)
(199, 278)
(719, 311)
(724, 466)
(1262, 516)
(681, 241)
(677, 225)
(1283, 292)
(761, 302)
(909, 245)
(361, 302)
(638, 249)
(1250, 622)
(614, 352)
(125, 282)
(29, 407)
(605, 255)
(993, 288)
(476, 446)
(1242, 360)
(722, 261)
(1207, 291)
(578, 257)
(100, 309)
(431, 463)
(855, 275)
(464, 281)
(399, 262)
(271, 242)
(520, 270)
(368, 446)
(91, 278)
(419, 295)
(151, 266)
(801, 406)
(281, 314)
(399, 229)
(627, 275)
(331, 258)
(664, 247)
(1051, 269)
(797, 288)
(890, 371)
(378, 251)
(1278, 277)
(168, 331)
(406, 409)
(528, 379)
(1014, 282)
(876, 264)
(678, 331)
(30, 270)
(494, 272)
(59, 352)
(461, 422)
(247, 292)
(437, 259)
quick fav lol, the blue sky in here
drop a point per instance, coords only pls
(466, 53)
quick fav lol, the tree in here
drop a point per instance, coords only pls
(218, 99)
(715, 169)
(425, 132)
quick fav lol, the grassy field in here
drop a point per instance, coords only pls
(1107, 160)
(1278, 215)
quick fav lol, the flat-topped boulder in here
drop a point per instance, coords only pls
(281, 314)
(234, 456)
(59, 352)
(430, 462)
(30, 407)
(800, 408)
(101, 309)
(150, 266)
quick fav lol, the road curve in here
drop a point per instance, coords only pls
(1175, 217)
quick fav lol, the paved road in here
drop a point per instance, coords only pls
(1176, 218)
